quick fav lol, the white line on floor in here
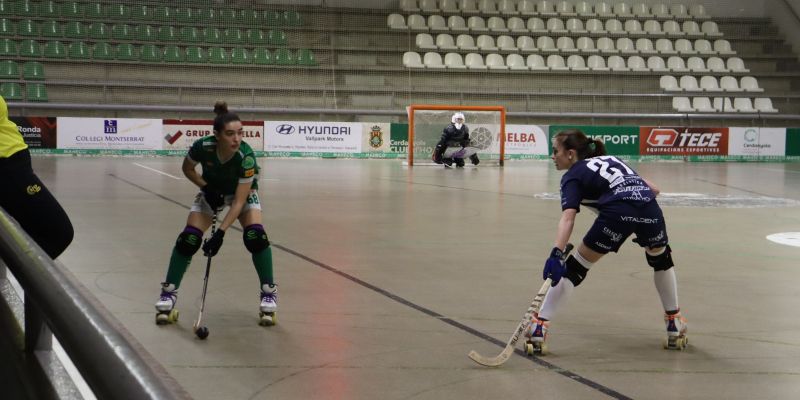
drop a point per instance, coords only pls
(157, 171)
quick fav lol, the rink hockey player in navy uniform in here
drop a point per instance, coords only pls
(626, 204)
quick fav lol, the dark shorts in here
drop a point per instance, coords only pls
(619, 220)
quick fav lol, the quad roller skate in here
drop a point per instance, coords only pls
(165, 306)
(676, 332)
(269, 305)
(536, 334)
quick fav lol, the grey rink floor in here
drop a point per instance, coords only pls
(389, 276)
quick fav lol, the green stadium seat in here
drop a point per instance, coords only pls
(55, 49)
(227, 16)
(102, 51)
(276, 37)
(206, 14)
(239, 55)
(29, 48)
(78, 51)
(284, 57)
(49, 9)
(250, 17)
(233, 36)
(27, 8)
(8, 48)
(7, 27)
(95, 11)
(164, 13)
(173, 53)
(36, 92)
(190, 34)
(126, 52)
(7, 8)
(262, 56)
(11, 91)
(119, 11)
(99, 30)
(186, 14)
(292, 18)
(167, 33)
(273, 18)
(195, 54)
(122, 32)
(74, 30)
(9, 70)
(28, 27)
(150, 53)
(212, 35)
(33, 71)
(256, 37)
(145, 33)
(141, 12)
(72, 9)
(218, 55)
(306, 57)
(51, 29)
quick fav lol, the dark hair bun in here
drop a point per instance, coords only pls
(220, 108)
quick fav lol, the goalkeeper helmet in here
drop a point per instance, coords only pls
(458, 116)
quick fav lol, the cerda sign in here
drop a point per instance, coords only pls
(682, 141)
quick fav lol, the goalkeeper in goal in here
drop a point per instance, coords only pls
(454, 145)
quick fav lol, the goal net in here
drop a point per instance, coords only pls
(486, 126)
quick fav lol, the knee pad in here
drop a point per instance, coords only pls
(575, 271)
(189, 241)
(255, 238)
(661, 262)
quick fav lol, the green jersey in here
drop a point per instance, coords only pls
(225, 177)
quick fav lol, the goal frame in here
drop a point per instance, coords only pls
(411, 109)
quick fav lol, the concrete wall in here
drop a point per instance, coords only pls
(785, 14)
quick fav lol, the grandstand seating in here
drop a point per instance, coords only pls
(520, 37)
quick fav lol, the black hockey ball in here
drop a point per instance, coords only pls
(201, 332)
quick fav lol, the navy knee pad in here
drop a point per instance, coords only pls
(255, 238)
(661, 262)
(575, 271)
(189, 241)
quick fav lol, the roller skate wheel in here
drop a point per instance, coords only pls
(267, 319)
(543, 350)
(529, 349)
(161, 319)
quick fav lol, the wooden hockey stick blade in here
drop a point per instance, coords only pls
(504, 355)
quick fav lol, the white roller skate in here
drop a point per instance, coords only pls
(676, 332)
(269, 305)
(165, 306)
(536, 334)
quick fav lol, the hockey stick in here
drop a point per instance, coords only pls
(202, 331)
(526, 320)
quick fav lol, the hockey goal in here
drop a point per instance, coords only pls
(487, 131)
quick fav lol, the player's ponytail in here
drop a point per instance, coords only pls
(596, 148)
(223, 116)
(574, 139)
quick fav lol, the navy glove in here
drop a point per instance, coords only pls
(212, 245)
(437, 154)
(554, 266)
(213, 198)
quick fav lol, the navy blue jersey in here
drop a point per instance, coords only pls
(597, 181)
